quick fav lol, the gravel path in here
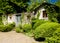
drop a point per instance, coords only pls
(13, 37)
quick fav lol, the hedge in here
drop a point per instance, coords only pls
(45, 30)
(27, 27)
(39, 22)
(55, 38)
(6, 28)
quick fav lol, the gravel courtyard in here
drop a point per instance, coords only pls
(13, 37)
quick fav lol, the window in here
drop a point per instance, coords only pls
(44, 14)
(10, 17)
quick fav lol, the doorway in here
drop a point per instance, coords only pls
(18, 19)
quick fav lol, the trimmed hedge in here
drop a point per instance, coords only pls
(27, 27)
(45, 30)
(18, 30)
(6, 28)
(38, 23)
(57, 33)
(2, 27)
(55, 38)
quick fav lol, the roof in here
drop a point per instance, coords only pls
(46, 4)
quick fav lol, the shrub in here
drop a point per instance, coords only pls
(52, 40)
(30, 33)
(55, 38)
(45, 30)
(33, 21)
(12, 24)
(18, 30)
(20, 26)
(27, 27)
(1, 20)
(6, 28)
(2, 27)
(57, 33)
(38, 23)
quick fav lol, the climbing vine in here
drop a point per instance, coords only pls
(52, 14)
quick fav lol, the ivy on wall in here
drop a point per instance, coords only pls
(38, 14)
(52, 14)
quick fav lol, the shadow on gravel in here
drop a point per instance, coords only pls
(41, 39)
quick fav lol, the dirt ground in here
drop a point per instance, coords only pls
(13, 37)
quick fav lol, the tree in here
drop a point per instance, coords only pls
(13, 6)
(58, 3)
(34, 4)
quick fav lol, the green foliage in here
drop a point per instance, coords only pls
(6, 8)
(22, 17)
(1, 20)
(55, 38)
(33, 21)
(20, 26)
(6, 28)
(33, 4)
(12, 24)
(11, 6)
(30, 33)
(38, 23)
(27, 27)
(2, 27)
(45, 30)
(58, 3)
(52, 40)
(52, 11)
(38, 15)
(18, 30)
(53, 18)
(58, 17)
(57, 33)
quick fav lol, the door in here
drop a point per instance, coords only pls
(18, 19)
